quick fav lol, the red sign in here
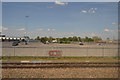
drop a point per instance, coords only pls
(55, 53)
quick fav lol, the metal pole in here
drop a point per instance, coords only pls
(26, 29)
(14, 51)
(103, 52)
(26, 24)
(87, 51)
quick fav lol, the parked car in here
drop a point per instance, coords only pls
(99, 44)
(81, 44)
(15, 43)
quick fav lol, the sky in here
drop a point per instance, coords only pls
(61, 0)
(60, 19)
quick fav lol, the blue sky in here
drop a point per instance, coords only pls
(60, 19)
(60, 0)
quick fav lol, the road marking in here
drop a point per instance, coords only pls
(87, 61)
(25, 61)
(37, 61)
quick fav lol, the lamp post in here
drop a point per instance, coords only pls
(26, 30)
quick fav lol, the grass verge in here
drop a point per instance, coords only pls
(54, 58)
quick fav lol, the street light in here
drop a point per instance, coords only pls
(26, 29)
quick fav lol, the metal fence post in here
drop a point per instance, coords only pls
(103, 52)
(87, 51)
(14, 51)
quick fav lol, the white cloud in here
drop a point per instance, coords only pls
(51, 29)
(48, 29)
(114, 23)
(3, 28)
(39, 29)
(91, 10)
(21, 29)
(107, 30)
(60, 3)
(96, 8)
(83, 11)
(51, 7)
(115, 30)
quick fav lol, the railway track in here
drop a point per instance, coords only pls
(57, 65)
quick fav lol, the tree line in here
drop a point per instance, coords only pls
(68, 39)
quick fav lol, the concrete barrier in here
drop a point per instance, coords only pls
(66, 51)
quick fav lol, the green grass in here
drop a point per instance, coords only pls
(57, 58)
(64, 59)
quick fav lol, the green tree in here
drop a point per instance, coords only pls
(70, 39)
(87, 39)
(75, 38)
(50, 39)
(64, 39)
(80, 39)
(26, 37)
(96, 38)
(58, 40)
(90, 40)
(44, 39)
(38, 38)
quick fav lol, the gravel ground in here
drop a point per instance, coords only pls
(61, 73)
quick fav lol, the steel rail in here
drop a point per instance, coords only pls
(61, 63)
(57, 65)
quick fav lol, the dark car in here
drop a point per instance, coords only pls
(15, 43)
(81, 44)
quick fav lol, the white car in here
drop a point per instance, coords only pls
(99, 44)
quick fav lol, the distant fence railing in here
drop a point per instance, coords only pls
(61, 51)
